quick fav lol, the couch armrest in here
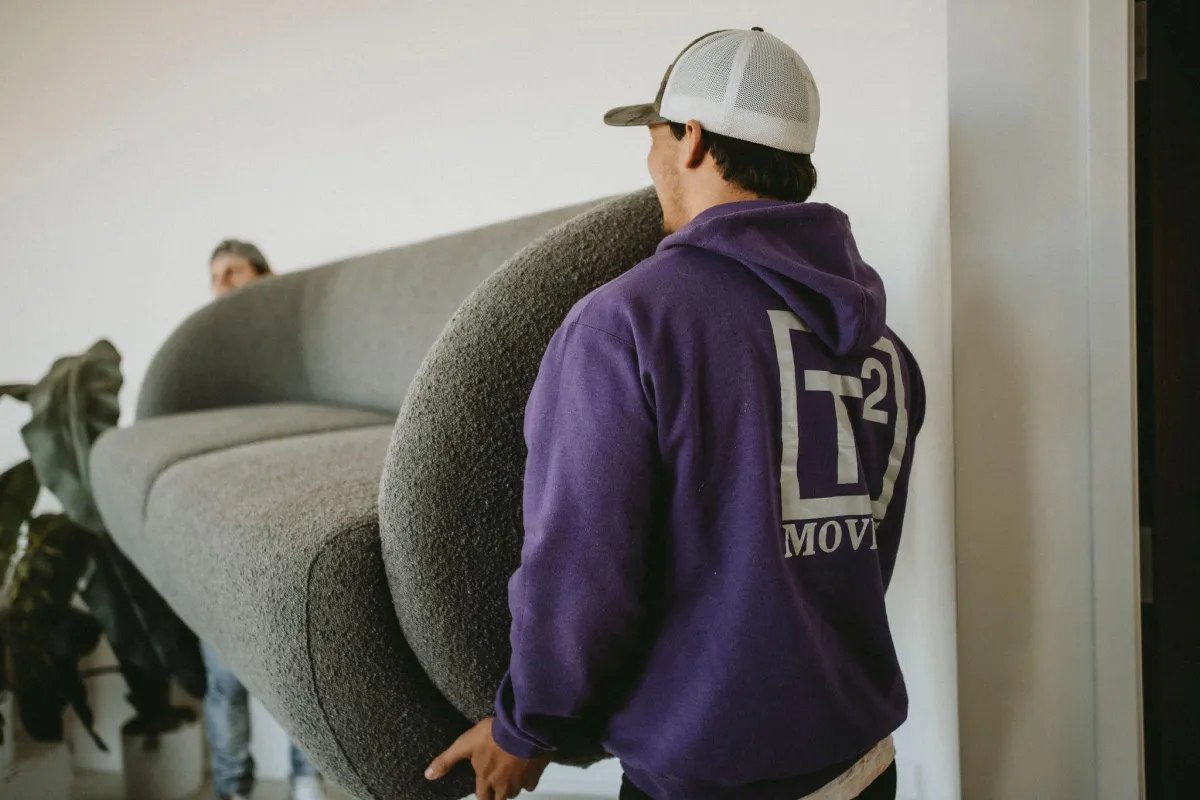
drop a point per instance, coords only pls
(242, 350)
(450, 500)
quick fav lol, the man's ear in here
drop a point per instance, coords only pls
(694, 139)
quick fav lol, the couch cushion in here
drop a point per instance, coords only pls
(450, 505)
(126, 461)
(271, 550)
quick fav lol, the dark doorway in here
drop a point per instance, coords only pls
(1167, 159)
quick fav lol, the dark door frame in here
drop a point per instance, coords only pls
(1169, 304)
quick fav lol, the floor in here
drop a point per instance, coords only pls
(107, 786)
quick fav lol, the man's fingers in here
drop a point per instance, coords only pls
(459, 751)
(482, 790)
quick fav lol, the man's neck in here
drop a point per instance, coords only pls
(706, 197)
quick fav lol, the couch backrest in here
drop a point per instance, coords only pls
(351, 333)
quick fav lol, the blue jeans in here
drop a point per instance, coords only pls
(227, 722)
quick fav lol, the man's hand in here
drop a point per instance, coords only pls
(498, 776)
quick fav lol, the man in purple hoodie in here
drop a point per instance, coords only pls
(720, 444)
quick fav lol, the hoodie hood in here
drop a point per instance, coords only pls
(806, 253)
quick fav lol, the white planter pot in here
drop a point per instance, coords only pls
(168, 766)
(8, 729)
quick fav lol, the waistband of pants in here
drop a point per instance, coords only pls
(854, 781)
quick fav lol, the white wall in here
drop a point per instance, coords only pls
(1027, 399)
(137, 133)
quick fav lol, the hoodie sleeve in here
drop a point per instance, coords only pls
(576, 599)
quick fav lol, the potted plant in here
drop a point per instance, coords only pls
(51, 564)
(7, 746)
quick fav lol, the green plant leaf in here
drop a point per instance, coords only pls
(19, 488)
(45, 635)
(17, 391)
(3, 660)
(151, 643)
(57, 553)
(71, 406)
(47, 679)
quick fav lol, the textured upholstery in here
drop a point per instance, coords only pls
(349, 334)
(249, 494)
(271, 553)
(127, 461)
(450, 505)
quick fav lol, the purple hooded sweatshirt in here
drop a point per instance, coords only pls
(720, 444)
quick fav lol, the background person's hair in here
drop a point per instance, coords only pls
(761, 170)
(236, 247)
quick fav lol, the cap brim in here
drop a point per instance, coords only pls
(625, 116)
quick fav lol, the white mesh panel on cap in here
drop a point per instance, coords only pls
(703, 71)
(772, 82)
(748, 85)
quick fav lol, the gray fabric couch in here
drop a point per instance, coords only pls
(324, 479)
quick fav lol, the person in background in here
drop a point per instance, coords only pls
(226, 703)
(719, 450)
(234, 264)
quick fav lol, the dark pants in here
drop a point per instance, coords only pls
(884, 788)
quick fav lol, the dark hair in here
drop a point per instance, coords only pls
(761, 170)
(236, 247)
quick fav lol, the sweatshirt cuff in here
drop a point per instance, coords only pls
(511, 741)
